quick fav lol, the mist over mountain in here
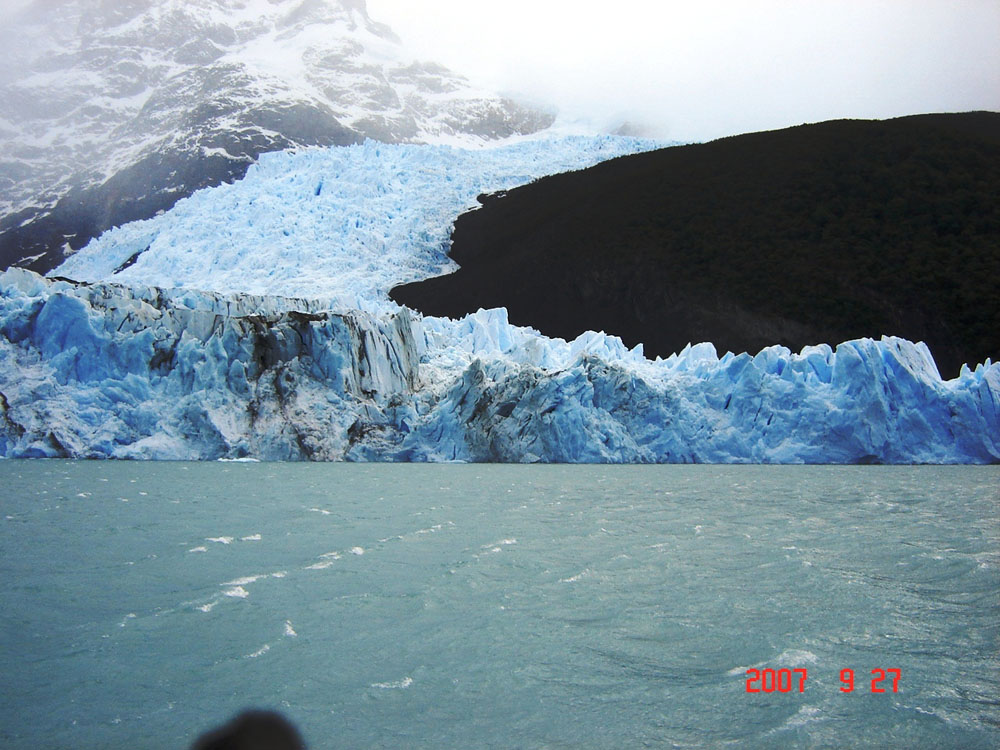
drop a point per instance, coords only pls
(114, 110)
(824, 232)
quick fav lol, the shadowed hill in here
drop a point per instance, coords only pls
(817, 233)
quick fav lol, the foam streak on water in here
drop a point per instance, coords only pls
(499, 606)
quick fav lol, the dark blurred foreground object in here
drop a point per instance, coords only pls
(253, 730)
(817, 233)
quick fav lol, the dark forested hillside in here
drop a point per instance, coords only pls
(818, 233)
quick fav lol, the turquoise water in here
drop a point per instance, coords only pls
(385, 606)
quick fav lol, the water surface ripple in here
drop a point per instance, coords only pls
(498, 606)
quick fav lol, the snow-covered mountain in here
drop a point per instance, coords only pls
(162, 353)
(114, 109)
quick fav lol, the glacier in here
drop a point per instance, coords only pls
(252, 321)
(346, 223)
(109, 371)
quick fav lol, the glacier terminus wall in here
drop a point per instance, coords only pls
(100, 370)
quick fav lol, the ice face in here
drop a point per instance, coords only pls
(105, 371)
(138, 372)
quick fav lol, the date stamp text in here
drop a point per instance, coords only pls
(790, 680)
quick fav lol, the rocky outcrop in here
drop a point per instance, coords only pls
(825, 232)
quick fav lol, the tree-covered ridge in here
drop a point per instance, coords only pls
(817, 233)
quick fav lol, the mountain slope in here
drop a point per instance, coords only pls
(115, 110)
(819, 233)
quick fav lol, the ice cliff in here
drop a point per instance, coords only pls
(128, 372)
(102, 370)
(252, 320)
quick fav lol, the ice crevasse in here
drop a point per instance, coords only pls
(161, 351)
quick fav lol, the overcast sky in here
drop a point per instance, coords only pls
(707, 68)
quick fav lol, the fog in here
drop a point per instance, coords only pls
(694, 71)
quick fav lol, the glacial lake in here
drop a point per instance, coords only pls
(483, 606)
